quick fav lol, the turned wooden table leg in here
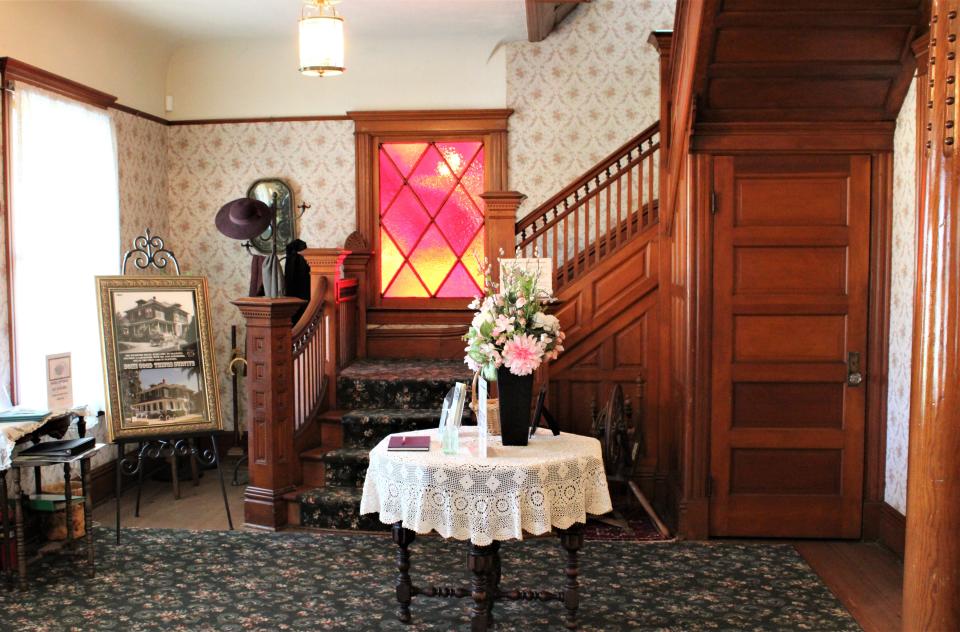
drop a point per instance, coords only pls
(480, 563)
(572, 541)
(87, 513)
(493, 580)
(18, 529)
(403, 538)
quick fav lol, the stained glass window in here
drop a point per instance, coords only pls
(431, 219)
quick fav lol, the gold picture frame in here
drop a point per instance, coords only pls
(158, 357)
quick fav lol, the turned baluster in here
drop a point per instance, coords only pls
(403, 538)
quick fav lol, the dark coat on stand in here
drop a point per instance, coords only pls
(297, 275)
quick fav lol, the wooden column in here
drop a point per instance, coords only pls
(270, 406)
(500, 225)
(931, 595)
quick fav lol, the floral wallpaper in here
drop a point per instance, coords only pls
(142, 163)
(582, 92)
(209, 165)
(903, 275)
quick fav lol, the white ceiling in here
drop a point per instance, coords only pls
(219, 19)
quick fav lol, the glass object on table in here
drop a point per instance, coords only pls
(450, 418)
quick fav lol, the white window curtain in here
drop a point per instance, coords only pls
(65, 227)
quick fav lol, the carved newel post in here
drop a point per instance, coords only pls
(931, 593)
(500, 223)
(269, 408)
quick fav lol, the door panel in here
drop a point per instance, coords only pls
(791, 248)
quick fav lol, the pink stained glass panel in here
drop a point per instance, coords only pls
(458, 284)
(459, 155)
(473, 179)
(459, 220)
(406, 221)
(406, 285)
(433, 259)
(390, 259)
(403, 155)
(432, 180)
(473, 258)
(390, 182)
(431, 219)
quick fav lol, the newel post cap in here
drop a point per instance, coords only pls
(265, 310)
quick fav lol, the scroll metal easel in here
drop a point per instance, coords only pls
(149, 252)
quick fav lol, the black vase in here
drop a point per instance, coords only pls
(515, 393)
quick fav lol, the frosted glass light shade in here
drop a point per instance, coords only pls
(321, 46)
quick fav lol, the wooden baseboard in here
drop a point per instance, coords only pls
(694, 519)
(884, 524)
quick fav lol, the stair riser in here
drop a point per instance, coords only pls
(346, 474)
(372, 393)
(339, 517)
(368, 433)
(313, 473)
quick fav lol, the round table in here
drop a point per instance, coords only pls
(551, 484)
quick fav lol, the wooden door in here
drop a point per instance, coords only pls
(791, 246)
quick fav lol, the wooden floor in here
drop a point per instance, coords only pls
(199, 508)
(866, 578)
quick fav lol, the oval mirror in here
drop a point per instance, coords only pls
(265, 190)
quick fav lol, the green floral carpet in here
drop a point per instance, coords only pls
(196, 581)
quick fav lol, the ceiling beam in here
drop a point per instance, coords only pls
(543, 16)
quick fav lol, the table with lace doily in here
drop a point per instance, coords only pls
(552, 484)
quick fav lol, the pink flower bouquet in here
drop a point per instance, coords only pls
(511, 327)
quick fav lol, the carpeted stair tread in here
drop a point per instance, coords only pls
(336, 508)
(346, 467)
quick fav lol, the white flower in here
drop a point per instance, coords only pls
(547, 322)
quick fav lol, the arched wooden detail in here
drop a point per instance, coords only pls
(931, 598)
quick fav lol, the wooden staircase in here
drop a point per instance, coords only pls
(601, 234)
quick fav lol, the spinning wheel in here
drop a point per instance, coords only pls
(621, 437)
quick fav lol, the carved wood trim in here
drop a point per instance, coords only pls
(374, 127)
(16, 70)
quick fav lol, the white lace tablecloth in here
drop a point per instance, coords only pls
(552, 482)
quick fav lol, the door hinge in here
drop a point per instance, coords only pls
(714, 202)
(710, 486)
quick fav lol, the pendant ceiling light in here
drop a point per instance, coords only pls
(321, 39)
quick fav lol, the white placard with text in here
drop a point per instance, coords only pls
(59, 382)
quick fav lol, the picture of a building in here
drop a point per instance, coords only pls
(164, 394)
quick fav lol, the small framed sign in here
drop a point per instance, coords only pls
(59, 382)
(158, 356)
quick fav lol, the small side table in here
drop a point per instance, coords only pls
(66, 462)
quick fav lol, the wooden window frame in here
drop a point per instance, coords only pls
(15, 71)
(375, 127)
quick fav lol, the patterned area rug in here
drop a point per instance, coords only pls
(198, 581)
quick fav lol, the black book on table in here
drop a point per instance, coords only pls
(67, 447)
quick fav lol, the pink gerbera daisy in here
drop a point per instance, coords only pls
(522, 354)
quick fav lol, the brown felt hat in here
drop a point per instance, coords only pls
(244, 218)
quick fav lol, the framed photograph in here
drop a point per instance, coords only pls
(158, 356)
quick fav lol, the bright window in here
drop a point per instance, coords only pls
(65, 227)
(431, 219)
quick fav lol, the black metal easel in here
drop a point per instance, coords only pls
(149, 252)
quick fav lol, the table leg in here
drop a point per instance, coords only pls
(87, 512)
(572, 541)
(493, 581)
(18, 517)
(68, 505)
(119, 485)
(6, 560)
(480, 563)
(37, 480)
(403, 538)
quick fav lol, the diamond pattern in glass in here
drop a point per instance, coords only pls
(431, 218)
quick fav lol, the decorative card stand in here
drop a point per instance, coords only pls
(149, 252)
